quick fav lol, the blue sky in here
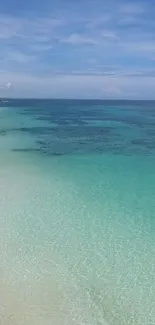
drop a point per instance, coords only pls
(78, 49)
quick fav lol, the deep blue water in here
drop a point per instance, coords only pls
(83, 127)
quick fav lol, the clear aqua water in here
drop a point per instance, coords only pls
(77, 212)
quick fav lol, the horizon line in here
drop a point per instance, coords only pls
(77, 99)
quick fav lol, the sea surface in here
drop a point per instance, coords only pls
(77, 212)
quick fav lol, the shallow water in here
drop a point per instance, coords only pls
(77, 184)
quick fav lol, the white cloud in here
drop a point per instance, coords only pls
(109, 35)
(6, 86)
(99, 20)
(19, 57)
(6, 32)
(41, 28)
(127, 20)
(42, 47)
(77, 39)
(141, 48)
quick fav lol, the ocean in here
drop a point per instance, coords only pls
(77, 212)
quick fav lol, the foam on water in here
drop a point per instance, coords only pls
(76, 237)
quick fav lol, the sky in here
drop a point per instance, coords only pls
(77, 49)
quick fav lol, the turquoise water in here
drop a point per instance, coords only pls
(77, 213)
